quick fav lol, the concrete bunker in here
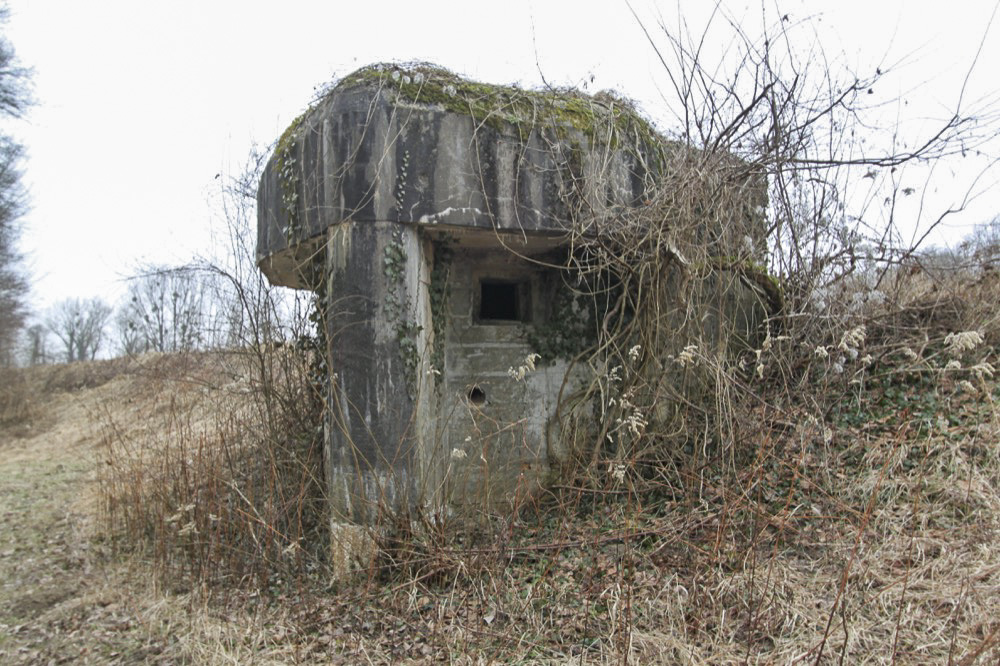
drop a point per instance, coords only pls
(430, 214)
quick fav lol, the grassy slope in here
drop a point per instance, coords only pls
(64, 596)
(55, 602)
(871, 537)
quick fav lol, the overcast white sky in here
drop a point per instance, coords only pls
(141, 104)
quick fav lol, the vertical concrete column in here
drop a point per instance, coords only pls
(375, 337)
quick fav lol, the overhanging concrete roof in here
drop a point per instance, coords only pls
(419, 145)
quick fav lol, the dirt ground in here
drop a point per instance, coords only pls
(63, 597)
(56, 606)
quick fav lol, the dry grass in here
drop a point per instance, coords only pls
(852, 519)
(218, 485)
(17, 398)
(867, 538)
(854, 523)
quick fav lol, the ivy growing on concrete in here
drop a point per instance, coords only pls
(398, 312)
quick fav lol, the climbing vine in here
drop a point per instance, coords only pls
(394, 266)
(290, 173)
(569, 330)
(440, 274)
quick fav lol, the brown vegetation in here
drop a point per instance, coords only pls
(867, 533)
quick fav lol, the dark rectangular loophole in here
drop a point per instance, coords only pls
(499, 300)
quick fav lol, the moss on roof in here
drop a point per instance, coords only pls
(605, 118)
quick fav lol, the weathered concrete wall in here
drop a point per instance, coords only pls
(365, 153)
(434, 423)
(377, 330)
(496, 427)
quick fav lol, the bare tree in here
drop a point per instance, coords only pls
(15, 87)
(15, 98)
(254, 312)
(79, 324)
(129, 335)
(37, 351)
(983, 243)
(165, 311)
(836, 164)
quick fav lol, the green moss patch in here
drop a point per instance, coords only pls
(605, 118)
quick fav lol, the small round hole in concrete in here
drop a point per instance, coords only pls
(477, 396)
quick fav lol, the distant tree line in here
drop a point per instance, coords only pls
(165, 309)
(206, 305)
